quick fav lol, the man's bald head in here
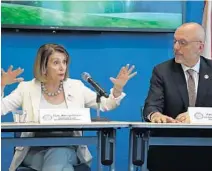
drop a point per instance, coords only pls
(189, 41)
(193, 29)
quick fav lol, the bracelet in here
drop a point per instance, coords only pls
(118, 90)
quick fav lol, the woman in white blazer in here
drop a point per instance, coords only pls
(51, 88)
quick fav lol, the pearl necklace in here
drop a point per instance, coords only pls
(44, 89)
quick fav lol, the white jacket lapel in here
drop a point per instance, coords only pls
(69, 94)
(35, 94)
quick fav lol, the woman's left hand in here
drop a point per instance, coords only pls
(124, 75)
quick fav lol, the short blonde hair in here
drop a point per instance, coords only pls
(42, 58)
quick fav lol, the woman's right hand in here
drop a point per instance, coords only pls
(9, 77)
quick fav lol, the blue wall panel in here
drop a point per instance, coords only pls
(101, 55)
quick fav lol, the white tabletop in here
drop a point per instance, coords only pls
(169, 125)
(99, 125)
(92, 125)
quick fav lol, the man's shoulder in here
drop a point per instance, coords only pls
(208, 62)
(165, 66)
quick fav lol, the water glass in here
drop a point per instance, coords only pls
(19, 116)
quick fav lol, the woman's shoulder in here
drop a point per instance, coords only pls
(28, 82)
(25, 85)
(73, 81)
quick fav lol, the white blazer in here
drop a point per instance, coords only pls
(28, 96)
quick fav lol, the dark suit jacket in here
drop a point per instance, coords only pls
(168, 90)
(168, 94)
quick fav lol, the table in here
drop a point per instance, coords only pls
(105, 139)
(142, 135)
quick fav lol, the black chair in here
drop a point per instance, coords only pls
(81, 167)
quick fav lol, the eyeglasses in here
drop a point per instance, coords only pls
(184, 42)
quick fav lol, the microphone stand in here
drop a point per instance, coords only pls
(98, 101)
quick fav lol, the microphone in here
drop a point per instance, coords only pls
(86, 77)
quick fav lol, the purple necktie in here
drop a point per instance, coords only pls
(191, 88)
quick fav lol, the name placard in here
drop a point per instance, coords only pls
(60, 116)
(201, 115)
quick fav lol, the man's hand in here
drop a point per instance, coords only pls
(158, 117)
(183, 117)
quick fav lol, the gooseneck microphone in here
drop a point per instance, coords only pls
(86, 77)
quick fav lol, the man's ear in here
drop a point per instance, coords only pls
(201, 47)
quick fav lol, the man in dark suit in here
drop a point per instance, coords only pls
(179, 83)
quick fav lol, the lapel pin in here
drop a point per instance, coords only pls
(69, 97)
(206, 76)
